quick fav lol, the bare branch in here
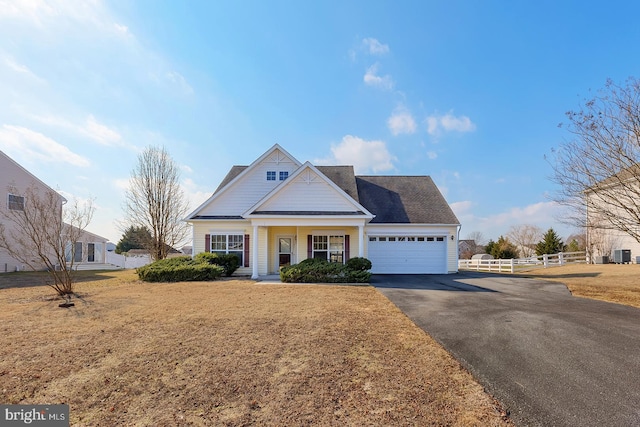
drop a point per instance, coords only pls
(156, 202)
(42, 233)
(598, 170)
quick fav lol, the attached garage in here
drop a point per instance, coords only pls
(408, 254)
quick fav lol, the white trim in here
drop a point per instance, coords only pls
(253, 244)
(277, 237)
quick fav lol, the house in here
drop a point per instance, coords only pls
(15, 183)
(278, 211)
(612, 215)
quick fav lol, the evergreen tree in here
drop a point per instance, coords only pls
(550, 243)
(502, 249)
(134, 238)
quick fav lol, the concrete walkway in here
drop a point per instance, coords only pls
(550, 358)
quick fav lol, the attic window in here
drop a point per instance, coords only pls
(16, 203)
(271, 175)
(284, 175)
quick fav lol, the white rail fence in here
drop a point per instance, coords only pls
(522, 264)
(133, 261)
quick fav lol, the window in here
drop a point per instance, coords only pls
(440, 239)
(330, 248)
(16, 203)
(284, 175)
(228, 244)
(271, 175)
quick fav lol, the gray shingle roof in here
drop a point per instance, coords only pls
(404, 199)
(392, 199)
(343, 177)
(235, 171)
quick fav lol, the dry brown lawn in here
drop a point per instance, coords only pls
(619, 283)
(232, 352)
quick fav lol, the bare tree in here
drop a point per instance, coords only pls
(42, 232)
(598, 170)
(155, 201)
(600, 243)
(525, 237)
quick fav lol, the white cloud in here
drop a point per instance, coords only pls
(432, 155)
(401, 121)
(371, 78)
(91, 128)
(101, 133)
(374, 47)
(25, 143)
(461, 208)
(541, 214)
(364, 155)
(449, 123)
(178, 79)
(194, 194)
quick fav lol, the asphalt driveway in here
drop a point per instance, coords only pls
(552, 359)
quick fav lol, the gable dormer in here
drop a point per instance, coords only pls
(307, 192)
(245, 185)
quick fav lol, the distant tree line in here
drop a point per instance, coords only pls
(521, 241)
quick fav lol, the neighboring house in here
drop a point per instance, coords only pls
(278, 211)
(612, 206)
(16, 179)
(90, 251)
(467, 248)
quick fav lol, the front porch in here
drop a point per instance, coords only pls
(275, 246)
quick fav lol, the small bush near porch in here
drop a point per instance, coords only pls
(311, 270)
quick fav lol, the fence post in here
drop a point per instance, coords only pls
(561, 258)
(512, 266)
(545, 260)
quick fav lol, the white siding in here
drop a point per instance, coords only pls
(12, 174)
(307, 192)
(250, 188)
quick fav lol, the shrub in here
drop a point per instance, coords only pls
(359, 264)
(321, 271)
(180, 269)
(229, 262)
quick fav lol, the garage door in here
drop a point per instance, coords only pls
(408, 254)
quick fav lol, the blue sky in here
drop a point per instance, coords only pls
(468, 92)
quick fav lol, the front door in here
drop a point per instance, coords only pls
(284, 251)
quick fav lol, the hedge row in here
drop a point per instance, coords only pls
(179, 269)
(321, 271)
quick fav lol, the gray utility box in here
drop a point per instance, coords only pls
(622, 256)
(602, 260)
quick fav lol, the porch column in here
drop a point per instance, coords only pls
(361, 241)
(254, 252)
